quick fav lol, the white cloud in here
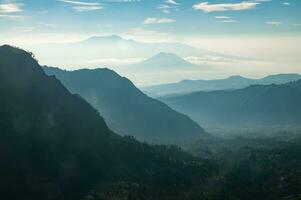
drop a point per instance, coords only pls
(11, 17)
(244, 5)
(164, 8)
(10, 8)
(170, 5)
(81, 6)
(81, 3)
(222, 17)
(158, 20)
(228, 21)
(225, 19)
(286, 3)
(173, 2)
(87, 8)
(48, 25)
(274, 23)
(207, 59)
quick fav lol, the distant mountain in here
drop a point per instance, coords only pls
(233, 82)
(54, 145)
(257, 106)
(139, 48)
(126, 109)
(164, 62)
(105, 39)
(101, 50)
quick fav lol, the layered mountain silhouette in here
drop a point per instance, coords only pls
(257, 106)
(54, 145)
(164, 62)
(233, 82)
(99, 50)
(125, 108)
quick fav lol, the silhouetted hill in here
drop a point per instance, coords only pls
(233, 82)
(279, 79)
(54, 145)
(251, 107)
(126, 109)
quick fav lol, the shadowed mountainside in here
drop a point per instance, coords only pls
(252, 107)
(126, 109)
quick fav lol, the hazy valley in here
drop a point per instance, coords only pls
(150, 100)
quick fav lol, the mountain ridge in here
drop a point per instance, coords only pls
(232, 82)
(254, 107)
(126, 109)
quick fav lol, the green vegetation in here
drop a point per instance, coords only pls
(265, 166)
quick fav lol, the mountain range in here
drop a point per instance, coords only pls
(125, 108)
(233, 82)
(101, 50)
(250, 108)
(54, 145)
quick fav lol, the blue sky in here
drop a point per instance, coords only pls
(179, 17)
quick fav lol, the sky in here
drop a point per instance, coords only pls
(265, 29)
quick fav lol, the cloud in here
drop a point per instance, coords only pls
(11, 17)
(244, 5)
(206, 59)
(286, 3)
(170, 5)
(10, 8)
(228, 21)
(225, 19)
(48, 25)
(144, 35)
(274, 23)
(173, 2)
(164, 8)
(81, 6)
(222, 17)
(158, 20)
(87, 8)
(81, 3)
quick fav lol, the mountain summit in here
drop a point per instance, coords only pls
(164, 62)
